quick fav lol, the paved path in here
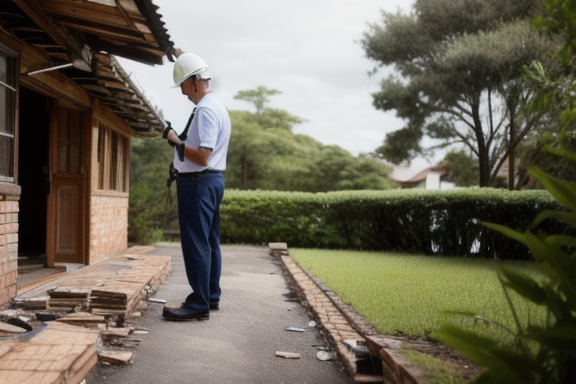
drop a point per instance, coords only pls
(238, 344)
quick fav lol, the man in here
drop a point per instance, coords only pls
(199, 160)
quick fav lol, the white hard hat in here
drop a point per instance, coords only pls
(189, 64)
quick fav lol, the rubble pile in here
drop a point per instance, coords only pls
(59, 330)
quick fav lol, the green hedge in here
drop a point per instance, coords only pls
(444, 223)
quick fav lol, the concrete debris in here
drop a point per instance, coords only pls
(116, 332)
(358, 347)
(288, 355)
(25, 319)
(142, 306)
(80, 313)
(115, 357)
(154, 300)
(10, 313)
(325, 355)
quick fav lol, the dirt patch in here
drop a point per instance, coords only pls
(467, 370)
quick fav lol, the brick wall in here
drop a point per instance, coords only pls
(8, 249)
(108, 226)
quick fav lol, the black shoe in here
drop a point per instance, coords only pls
(181, 314)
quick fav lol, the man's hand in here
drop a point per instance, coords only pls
(166, 133)
(174, 140)
(166, 130)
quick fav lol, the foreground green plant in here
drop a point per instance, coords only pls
(541, 353)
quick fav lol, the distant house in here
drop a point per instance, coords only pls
(429, 178)
(67, 114)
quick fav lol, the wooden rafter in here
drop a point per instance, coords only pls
(60, 35)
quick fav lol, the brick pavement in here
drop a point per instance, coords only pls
(59, 353)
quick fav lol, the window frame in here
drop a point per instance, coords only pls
(112, 153)
(10, 106)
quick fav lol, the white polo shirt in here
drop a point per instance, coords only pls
(210, 129)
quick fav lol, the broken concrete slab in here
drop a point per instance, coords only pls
(116, 332)
(325, 355)
(82, 319)
(115, 357)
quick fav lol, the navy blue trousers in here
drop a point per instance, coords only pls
(199, 217)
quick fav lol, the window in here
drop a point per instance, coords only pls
(112, 150)
(71, 141)
(8, 66)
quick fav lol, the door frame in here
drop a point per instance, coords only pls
(57, 181)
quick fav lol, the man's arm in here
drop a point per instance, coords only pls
(198, 156)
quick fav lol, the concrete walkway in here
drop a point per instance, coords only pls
(240, 341)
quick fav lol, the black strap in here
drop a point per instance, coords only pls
(184, 133)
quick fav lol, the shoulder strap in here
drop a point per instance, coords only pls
(184, 133)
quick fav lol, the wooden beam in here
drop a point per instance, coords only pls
(111, 120)
(65, 38)
(54, 83)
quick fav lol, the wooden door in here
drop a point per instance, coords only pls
(65, 199)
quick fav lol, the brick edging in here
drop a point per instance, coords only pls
(340, 323)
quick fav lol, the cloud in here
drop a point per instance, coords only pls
(307, 49)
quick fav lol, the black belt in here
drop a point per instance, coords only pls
(194, 175)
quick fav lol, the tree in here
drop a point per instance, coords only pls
(248, 141)
(149, 212)
(459, 77)
(556, 86)
(259, 97)
(463, 168)
(265, 154)
(266, 116)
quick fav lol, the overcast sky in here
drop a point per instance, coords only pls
(307, 49)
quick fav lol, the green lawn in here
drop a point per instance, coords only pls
(410, 293)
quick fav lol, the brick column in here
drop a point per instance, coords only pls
(8, 249)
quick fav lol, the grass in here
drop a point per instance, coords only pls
(435, 371)
(411, 294)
